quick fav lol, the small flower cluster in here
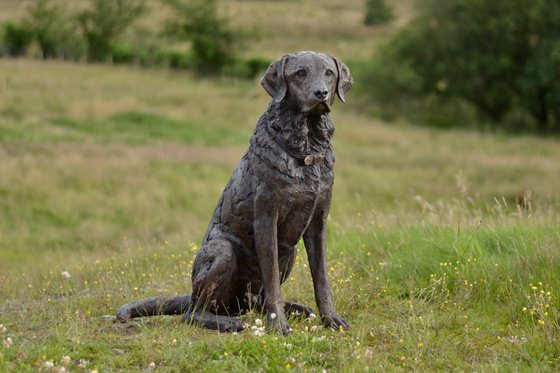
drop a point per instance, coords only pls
(540, 306)
(64, 362)
(7, 342)
(258, 328)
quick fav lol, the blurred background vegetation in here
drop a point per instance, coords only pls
(458, 63)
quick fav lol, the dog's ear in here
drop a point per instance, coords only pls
(345, 81)
(273, 80)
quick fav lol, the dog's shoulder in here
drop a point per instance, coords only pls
(267, 156)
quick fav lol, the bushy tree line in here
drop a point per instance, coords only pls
(500, 56)
(96, 31)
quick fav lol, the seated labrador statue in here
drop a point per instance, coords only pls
(280, 192)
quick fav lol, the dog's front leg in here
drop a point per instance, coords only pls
(266, 245)
(315, 245)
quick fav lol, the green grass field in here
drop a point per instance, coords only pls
(444, 246)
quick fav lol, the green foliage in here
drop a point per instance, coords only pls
(98, 28)
(496, 55)
(141, 128)
(213, 40)
(44, 24)
(16, 38)
(540, 82)
(131, 128)
(103, 23)
(247, 68)
(46, 19)
(378, 13)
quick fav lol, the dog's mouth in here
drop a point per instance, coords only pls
(321, 107)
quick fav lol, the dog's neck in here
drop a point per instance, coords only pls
(299, 134)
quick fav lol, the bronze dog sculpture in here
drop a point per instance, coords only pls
(280, 192)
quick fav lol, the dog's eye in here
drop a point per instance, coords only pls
(301, 73)
(329, 72)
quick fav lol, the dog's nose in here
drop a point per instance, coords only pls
(321, 94)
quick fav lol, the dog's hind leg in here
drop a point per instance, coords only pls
(215, 290)
(210, 320)
(154, 306)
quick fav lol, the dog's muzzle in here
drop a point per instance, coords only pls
(317, 108)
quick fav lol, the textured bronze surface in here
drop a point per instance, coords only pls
(279, 193)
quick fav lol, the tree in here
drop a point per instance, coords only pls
(104, 22)
(213, 39)
(378, 13)
(45, 20)
(46, 25)
(497, 55)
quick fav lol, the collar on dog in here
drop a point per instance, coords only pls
(305, 158)
(313, 159)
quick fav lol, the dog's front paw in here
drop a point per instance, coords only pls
(335, 322)
(278, 324)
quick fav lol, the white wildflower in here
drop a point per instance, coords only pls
(2, 328)
(312, 316)
(49, 364)
(272, 315)
(258, 331)
(8, 342)
(65, 274)
(62, 370)
(82, 363)
(66, 360)
(258, 322)
(318, 339)
(152, 366)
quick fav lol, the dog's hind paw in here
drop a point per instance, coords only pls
(123, 314)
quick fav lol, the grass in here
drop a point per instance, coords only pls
(431, 259)
(443, 244)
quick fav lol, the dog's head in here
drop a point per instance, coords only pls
(308, 80)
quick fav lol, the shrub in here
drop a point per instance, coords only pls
(378, 13)
(104, 22)
(123, 53)
(16, 39)
(213, 40)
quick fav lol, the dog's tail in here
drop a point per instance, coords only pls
(154, 306)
